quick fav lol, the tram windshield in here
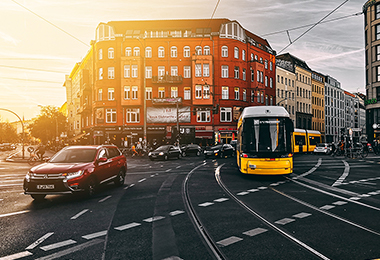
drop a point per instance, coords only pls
(266, 135)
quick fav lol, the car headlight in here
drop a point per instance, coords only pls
(161, 153)
(71, 175)
(27, 176)
(216, 151)
(149, 154)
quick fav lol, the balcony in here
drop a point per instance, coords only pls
(166, 79)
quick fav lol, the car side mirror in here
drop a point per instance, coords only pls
(102, 159)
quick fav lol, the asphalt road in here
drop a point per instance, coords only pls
(193, 208)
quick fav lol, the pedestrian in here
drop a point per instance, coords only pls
(40, 151)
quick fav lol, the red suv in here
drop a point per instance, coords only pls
(77, 169)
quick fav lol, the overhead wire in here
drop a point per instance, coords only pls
(314, 25)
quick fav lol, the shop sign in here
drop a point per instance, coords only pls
(168, 115)
(173, 100)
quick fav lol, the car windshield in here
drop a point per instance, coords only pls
(321, 145)
(74, 156)
(163, 148)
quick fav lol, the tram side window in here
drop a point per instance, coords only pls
(314, 140)
(299, 140)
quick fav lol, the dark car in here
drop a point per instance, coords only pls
(166, 152)
(77, 169)
(191, 149)
(220, 150)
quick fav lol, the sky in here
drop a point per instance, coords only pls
(42, 40)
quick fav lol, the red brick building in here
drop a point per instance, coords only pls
(145, 78)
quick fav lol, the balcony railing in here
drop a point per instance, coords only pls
(167, 79)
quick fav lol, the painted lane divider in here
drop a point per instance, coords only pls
(79, 214)
(39, 241)
(58, 245)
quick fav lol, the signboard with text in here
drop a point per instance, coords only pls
(168, 115)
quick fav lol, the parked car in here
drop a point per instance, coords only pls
(191, 149)
(325, 148)
(220, 150)
(76, 169)
(166, 152)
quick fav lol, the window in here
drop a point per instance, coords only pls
(187, 93)
(100, 54)
(161, 71)
(258, 76)
(173, 52)
(244, 75)
(127, 92)
(110, 115)
(198, 50)
(243, 54)
(224, 71)
(174, 92)
(148, 93)
(100, 73)
(186, 52)
(111, 94)
(198, 70)
(136, 51)
(100, 94)
(252, 96)
(225, 114)
(270, 65)
(203, 116)
(135, 92)
(224, 51)
(266, 64)
(252, 75)
(236, 93)
(148, 52)
(236, 53)
(161, 52)
(262, 97)
(270, 82)
(127, 71)
(377, 11)
(206, 70)
(261, 77)
(236, 72)
(206, 50)
(134, 71)
(378, 73)
(198, 91)
(128, 51)
(186, 72)
(378, 52)
(266, 81)
(225, 93)
(148, 72)
(133, 115)
(244, 95)
(111, 73)
(161, 92)
(206, 92)
(110, 53)
(174, 71)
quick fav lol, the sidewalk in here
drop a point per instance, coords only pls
(17, 156)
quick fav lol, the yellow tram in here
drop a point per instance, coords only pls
(304, 141)
(264, 141)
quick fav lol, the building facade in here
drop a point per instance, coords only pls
(318, 102)
(163, 80)
(371, 10)
(285, 87)
(334, 110)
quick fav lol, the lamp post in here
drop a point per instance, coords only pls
(22, 125)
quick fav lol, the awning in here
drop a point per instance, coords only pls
(204, 134)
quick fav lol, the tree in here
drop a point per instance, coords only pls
(48, 125)
(8, 134)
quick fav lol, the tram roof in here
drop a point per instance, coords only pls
(264, 111)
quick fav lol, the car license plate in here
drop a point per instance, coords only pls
(45, 187)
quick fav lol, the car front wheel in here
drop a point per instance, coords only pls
(90, 188)
(120, 178)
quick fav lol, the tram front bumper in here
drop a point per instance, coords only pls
(266, 166)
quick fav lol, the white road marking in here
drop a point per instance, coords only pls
(302, 215)
(354, 198)
(373, 193)
(13, 213)
(58, 245)
(262, 188)
(39, 241)
(344, 175)
(16, 256)
(71, 250)
(142, 180)
(106, 198)
(242, 193)
(339, 203)
(176, 212)
(312, 169)
(253, 190)
(130, 186)
(327, 207)
(79, 214)
(229, 241)
(284, 221)
(128, 226)
(94, 235)
(255, 232)
(178, 167)
(168, 170)
(153, 219)
(365, 195)
(206, 204)
(221, 200)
